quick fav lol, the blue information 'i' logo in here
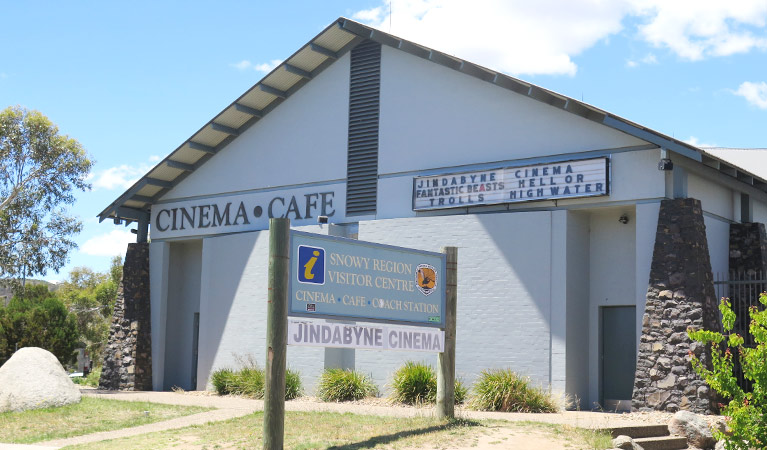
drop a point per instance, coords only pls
(311, 264)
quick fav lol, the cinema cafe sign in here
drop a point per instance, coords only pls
(549, 181)
(247, 212)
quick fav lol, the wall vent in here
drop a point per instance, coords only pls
(362, 156)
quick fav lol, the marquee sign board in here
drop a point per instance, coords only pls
(338, 278)
(373, 337)
(549, 181)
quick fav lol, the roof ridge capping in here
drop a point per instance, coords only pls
(312, 58)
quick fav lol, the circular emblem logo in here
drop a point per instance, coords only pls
(426, 278)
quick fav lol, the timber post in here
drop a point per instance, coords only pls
(446, 369)
(276, 333)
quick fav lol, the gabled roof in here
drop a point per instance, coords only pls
(311, 59)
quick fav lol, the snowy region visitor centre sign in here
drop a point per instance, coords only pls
(549, 181)
(346, 279)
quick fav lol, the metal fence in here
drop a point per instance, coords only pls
(743, 289)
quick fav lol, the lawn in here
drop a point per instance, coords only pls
(314, 430)
(89, 416)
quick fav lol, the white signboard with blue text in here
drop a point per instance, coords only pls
(338, 278)
(546, 181)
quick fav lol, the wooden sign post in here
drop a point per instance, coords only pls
(446, 369)
(276, 333)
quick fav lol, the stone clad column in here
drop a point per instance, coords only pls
(128, 357)
(680, 295)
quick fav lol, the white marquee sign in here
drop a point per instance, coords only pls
(557, 180)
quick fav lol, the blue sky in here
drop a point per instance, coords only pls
(132, 81)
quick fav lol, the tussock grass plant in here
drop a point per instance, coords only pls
(249, 381)
(504, 390)
(339, 385)
(416, 383)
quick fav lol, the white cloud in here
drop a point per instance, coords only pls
(242, 65)
(648, 59)
(121, 177)
(696, 29)
(517, 37)
(263, 67)
(542, 37)
(754, 93)
(267, 67)
(697, 143)
(108, 244)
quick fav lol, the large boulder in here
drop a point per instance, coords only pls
(694, 427)
(33, 378)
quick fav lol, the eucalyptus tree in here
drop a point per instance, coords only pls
(40, 172)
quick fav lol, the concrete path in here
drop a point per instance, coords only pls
(231, 407)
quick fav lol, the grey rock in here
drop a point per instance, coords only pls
(626, 443)
(694, 428)
(33, 378)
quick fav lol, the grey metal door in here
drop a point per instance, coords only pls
(618, 361)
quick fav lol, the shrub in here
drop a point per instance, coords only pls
(249, 382)
(93, 377)
(416, 383)
(339, 385)
(223, 381)
(293, 385)
(747, 411)
(504, 390)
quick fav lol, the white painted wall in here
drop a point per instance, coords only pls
(504, 290)
(759, 211)
(714, 198)
(432, 116)
(183, 301)
(612, 276)
(646, 219)
(159, 256)
(718, 238)
(303, 140)
(578, 281)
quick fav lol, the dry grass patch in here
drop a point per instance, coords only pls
(91, 415)
(315, 430)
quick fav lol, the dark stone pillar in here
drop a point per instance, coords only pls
(748, 265)
(128, 357)
(748, 249)
(680, 295)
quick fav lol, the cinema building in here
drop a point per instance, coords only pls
(586, 242)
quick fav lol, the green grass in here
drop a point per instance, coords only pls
(315, 430)
(308, 430)
(89, 416)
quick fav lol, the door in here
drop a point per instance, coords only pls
(618, 356)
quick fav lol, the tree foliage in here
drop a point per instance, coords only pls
(746, 411)
(90, 296)
(40, 170)
(38, 319)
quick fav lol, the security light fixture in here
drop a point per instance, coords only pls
(624, 219)
(322, 219)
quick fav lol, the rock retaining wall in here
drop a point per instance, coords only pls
(680, 295)
(128, 357)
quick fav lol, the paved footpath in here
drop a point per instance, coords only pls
(231, 407)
